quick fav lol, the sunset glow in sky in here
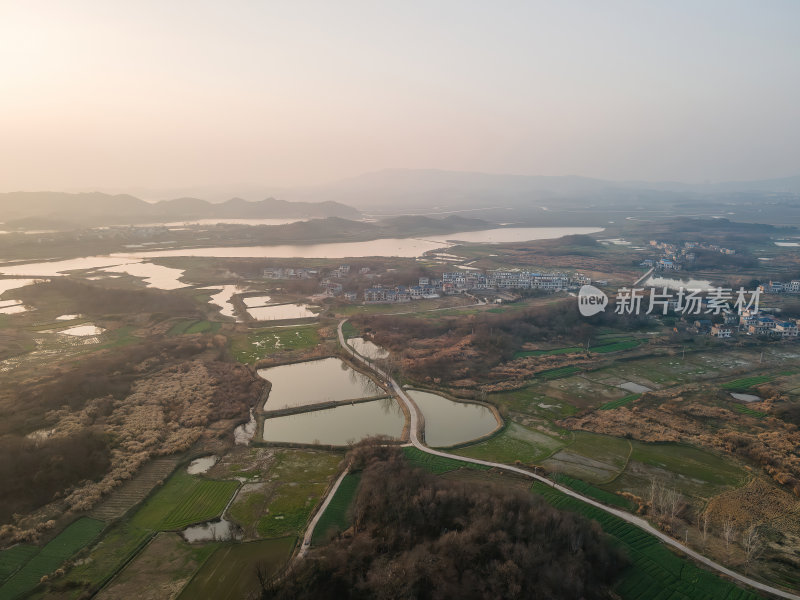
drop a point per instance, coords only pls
(113, 94)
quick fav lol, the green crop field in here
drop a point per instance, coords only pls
(183, 500)
(231, 572)
(655, 571)
(436, 464)
(591, 491)
(620, 402)
(514, 443)
(554, 352)
(206, 501)
(556, 373)
(335, 518)
(75, 537)
(746, 410)
(13, 558)
(746, 382)
(616, 346)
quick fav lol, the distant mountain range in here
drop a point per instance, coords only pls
(428, 188)
(58, 210)
(567, 200)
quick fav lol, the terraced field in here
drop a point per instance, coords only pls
(436, 464)
(135, 490)
(75, 537)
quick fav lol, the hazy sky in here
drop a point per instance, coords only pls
(162, 94)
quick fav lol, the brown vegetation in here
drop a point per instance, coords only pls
(695, 415)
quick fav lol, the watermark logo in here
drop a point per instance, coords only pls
(635, 301)
(591, 300)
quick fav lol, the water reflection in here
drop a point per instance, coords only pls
(316, 381)
(338, 426)
(448, 422)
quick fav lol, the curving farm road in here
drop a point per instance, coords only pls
(633, 519)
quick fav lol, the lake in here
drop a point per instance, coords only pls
(338, 426)
(157, 276)
(401, 247)
(448, 422)
(223, 298)
(312, 382)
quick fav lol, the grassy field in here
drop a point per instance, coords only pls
(258, 343)
(299, 477)
(189, 326)
(655, 571)
(335, 518)
(436, 464)
(514, 443)
(119, 544)
(349, 330)
(160, 570)
(75, 537)
(290, 508)
(231, 572)
(591, 457)
(692, 471)
(621, 402)
(533, 400)
(184, 500)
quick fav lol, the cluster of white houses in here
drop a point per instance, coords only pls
(777, 287)
(462, 281)
(751, 323)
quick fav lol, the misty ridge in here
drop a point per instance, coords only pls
(58, 210)
(413, 191)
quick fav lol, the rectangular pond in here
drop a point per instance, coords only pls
(316, 381)
(338, 426)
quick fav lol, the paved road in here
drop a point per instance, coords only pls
(633, 519)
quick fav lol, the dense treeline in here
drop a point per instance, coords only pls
(420, 536)
(33, 472)
(486, 339)
(78, 297)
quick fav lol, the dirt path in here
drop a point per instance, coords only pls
(311, 526)
(634, 520)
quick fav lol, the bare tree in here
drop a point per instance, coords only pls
(704, 521)
(728, 531)
(672, 500)
(751, 543)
